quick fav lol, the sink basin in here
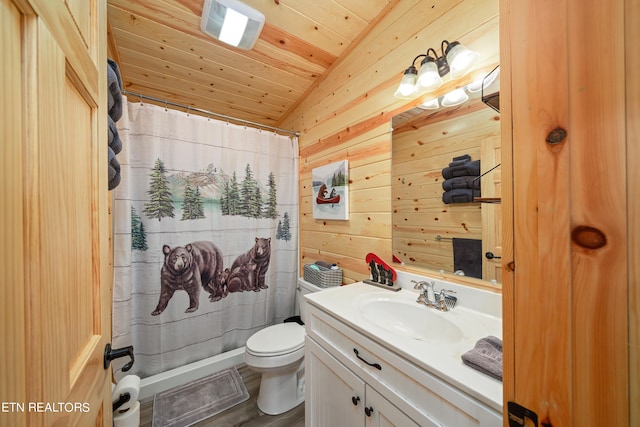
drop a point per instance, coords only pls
(412, 320)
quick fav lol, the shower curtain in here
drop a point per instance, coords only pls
(205, 245)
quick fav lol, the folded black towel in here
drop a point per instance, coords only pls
(114, 170)
(464, 157)
(486, 357)
(460, 195)
(469, 168)
(458, 163)
(114, 139)
(114, 90)
(461, 182)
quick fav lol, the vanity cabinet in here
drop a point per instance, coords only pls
(348, 372)
(335, 396)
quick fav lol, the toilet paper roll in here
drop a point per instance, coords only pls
(129, 384)
(131, 418)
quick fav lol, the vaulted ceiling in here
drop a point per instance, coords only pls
(163, 54)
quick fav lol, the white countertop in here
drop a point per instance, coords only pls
(442, 359)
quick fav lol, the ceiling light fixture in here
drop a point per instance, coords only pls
(232, 22)
(431, 104)
(484, 82)
(456, 60)
(455, 97)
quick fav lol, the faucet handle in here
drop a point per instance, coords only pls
(442, 300)
(422, 285)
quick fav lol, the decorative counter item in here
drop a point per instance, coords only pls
(382, 274)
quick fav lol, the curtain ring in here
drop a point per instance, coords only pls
(165, 105)
(188, 109)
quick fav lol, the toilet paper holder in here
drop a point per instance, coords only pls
(124, 398)
(110, 354)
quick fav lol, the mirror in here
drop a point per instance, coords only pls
(456, 227)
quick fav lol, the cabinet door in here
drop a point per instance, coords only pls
(334, 396)
(381, 413)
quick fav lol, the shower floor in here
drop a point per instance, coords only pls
(245, 414)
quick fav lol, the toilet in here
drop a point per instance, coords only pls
(277, 352)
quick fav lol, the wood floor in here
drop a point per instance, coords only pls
(245, 414)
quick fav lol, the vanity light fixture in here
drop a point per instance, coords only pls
(475, 86)
(232, 22)
(455, 97)
(484, 82)
(456, 60)
(431, 104)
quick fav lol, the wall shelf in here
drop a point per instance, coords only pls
(488, 199)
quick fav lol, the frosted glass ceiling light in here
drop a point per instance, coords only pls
(475, 86)
(483, 82)
(455, 97)
(430, 105)
(460, 58)
(407, 88)
(233, 27)
(232, 22)
(428, 78)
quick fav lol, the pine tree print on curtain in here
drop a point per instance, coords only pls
(159, 204)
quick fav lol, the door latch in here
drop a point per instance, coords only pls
(518, 413)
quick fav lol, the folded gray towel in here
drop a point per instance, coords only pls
(486, 357)
(114, 139)
(463, 158)
(461, 182)
(458, 163)
(114, 90)
(460, 195)
(113, 170)
(469, 168)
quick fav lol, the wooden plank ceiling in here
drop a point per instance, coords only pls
(163, 54)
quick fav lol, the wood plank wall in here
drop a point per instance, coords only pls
(347, 114)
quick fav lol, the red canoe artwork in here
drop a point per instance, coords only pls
(321, 199)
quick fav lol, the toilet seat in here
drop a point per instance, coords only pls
(276, 340)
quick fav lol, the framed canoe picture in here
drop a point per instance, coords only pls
(331, 191)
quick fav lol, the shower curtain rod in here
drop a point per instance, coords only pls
(210, 113)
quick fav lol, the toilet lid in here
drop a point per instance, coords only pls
(277, 339)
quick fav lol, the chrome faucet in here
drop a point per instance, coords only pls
(443, 302)
(427, 297)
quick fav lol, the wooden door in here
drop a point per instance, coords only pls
(55, 251)
(565, 288)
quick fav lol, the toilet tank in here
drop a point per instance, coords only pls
(302, 289)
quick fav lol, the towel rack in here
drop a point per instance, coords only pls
(440, 238)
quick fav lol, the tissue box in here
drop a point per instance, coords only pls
(322, 276)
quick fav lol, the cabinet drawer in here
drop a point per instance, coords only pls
(416, 392)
